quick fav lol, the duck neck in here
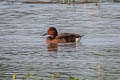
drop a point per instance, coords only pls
(53, 36)
(56, 34)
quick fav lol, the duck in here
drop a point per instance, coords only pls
(54, 37)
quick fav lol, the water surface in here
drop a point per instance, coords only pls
(23, 49)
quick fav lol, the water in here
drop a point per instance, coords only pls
(23, 49)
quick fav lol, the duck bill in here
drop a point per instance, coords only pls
(44, 34)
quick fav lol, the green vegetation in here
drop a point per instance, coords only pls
(52, 77)
(26, 76)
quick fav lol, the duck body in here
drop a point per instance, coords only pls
(61, 38)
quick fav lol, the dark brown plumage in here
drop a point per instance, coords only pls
(61, 38)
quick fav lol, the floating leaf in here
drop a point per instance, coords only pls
(53, 76)
(26, 76)
(72, 78)
(97, 54)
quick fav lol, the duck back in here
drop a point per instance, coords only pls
(67, 37)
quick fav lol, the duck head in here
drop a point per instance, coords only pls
(52, 31)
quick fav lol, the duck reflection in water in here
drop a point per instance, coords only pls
(56, 46)
(52, 47)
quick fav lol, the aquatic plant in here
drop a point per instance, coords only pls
(52, 77)
(26, 76)
(14, 76)
(72, 78)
